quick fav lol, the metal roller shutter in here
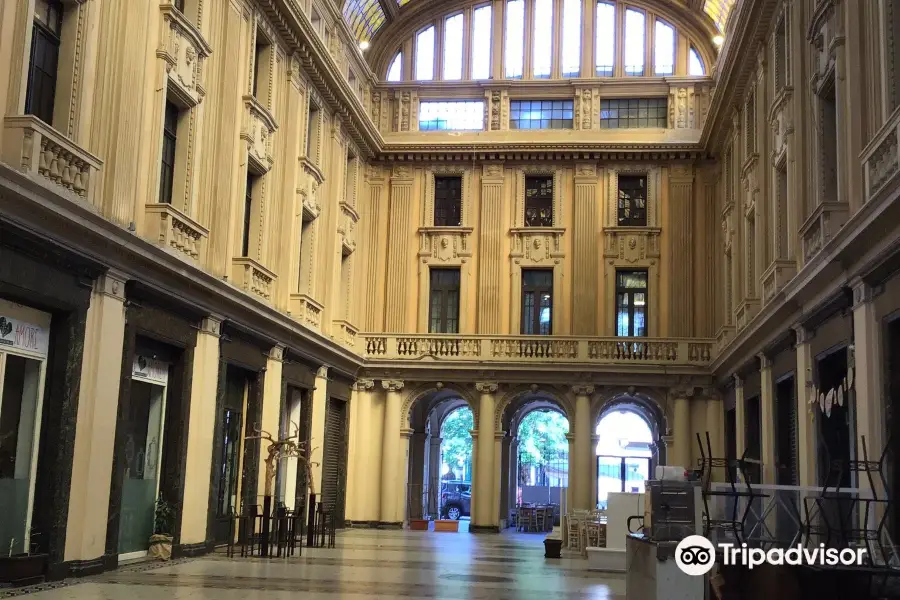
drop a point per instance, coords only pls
(334, 459)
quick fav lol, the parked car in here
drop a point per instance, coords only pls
(456, 499)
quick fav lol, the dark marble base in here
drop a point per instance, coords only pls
(190, 550)
(484, 529)
(384, 525)
(81, 568)
(361, 524)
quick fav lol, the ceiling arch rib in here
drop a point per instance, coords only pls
(364, 17)
(718, 11)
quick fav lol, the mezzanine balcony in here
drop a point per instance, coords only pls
(570, 350)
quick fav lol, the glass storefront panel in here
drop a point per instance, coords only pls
(20, 396)
(143, 440)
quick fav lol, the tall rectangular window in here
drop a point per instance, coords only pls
(606, 38)
(259, 57)
(45, 42)
(443, 312)
(312, 133)
(635, 33)
(632, 209)
(633, 113)
(631, 303)
(539, 201)
(167, 160)
(453, 47)
(179, 5)
(780, 67)
(515, 39)
(664, 49)
(454, 115)
(541, 114)
(481, 42)
(395, 72)
(425, 55)
(448, 201)
(248, 215)
(537, 301)
(571, 42)
(543, 38)
(695, 63)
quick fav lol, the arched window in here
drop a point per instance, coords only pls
(634, 42)
(571, 40)
(453, 47)
(395, 72)
(425, 55)
(664, 49)
(481, 42)
(695, 63)
(515, 39)
(543, 38)
(606, 38)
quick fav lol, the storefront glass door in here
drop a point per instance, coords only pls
(142, 453)
(620, 474)
(21, 392)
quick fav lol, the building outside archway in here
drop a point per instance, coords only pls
(624, 453)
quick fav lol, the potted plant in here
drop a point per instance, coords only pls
(163, 525)
(25, 568)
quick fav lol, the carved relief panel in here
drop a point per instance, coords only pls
(826, 35)
(184, 51)
(257, 131)
(406, 110)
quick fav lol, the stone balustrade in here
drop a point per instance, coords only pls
(37, 149)
(881, 159)
(520, 348)
(254, 278)
(176, 231)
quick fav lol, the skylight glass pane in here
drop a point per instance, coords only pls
(425, 55)
(634, 42)
(395, 73)
(459, 115)
(453, 47)
(664, 48)
(571, 43)
(364, 17)
(481, 42)
(543, 37)
(606, 38)
(718, 11)
(695, 64)
(515, 38)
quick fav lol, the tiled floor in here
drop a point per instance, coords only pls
(365, 564)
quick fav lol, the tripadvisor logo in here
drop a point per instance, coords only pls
(695, 555)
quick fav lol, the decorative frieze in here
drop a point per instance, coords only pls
(184, 50)
(405, 111)
(37, 149)
(445, 245)
(253, 278)
(176, 231)
(537, 246)
(258, 129)
(631, 245)
(306, 310)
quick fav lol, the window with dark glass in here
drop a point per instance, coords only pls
(633, 112)
(539, 201)
(632, 210)
(248, 215)
(179, 4)
(167, 161)
(447, 201)
(537, 301)
(443, 315)
(312, 132)
(631, 303)
(258, 58)
(45, 41)
(541, 114)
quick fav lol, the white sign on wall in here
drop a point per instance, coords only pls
(150, 370)
(22, 335)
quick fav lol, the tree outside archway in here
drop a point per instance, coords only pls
(456, 445)
(543, 460)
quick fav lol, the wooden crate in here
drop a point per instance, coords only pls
(446, 525)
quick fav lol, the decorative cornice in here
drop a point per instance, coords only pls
(392, 385)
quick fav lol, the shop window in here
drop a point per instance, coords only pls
(539, 201)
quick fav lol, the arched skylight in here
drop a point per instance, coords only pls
(718, 11)
(425, 55)
(543, 38)
(453, 47)
(695, 63)
(634, 42)
(364, 18)
(395, 72)
(606, 38)
(481, 42)
(571, 42)
(515, 38)
(664, 49)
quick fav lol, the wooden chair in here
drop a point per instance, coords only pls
(573, 531)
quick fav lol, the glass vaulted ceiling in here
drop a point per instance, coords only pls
(365, 17)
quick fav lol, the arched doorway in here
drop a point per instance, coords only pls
(624, 453)
(454, 492)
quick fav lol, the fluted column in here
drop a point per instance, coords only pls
(580, 468)
(806, 434)
(317, 426)
(682, 430)
(271, 413)
(504, 463)
(373, 310)
(867, 388)
(681, 244)
(714, 425)
(490, 251)
(574, 479)
(358, 451)
(433, 484)
(484, 518)
(398, 266)
(767, 419)
(391, 503)
(584, 258)
(740, 417)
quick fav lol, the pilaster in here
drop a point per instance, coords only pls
(866, 360)
(485, 504)
(271, 410)
(585, 225)
(490, 313)
(682, 429)
(580, 468)
(358, 451)
(740, 417)
(317, 426)
(767, 419)
(392, 496)
(681, 241)
(398, 265)
(806, 435)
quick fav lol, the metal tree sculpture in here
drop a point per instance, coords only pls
(287, 447)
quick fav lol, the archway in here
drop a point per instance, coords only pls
(624, 453)
(452, 498)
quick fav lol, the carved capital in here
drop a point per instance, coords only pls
(862, 293)
(322, 372)
(363, 385)
(392, 385)
(211, 325)
(582, 390)
(487, 387)
(112, 284)
(803, 334)
(764, 361)
(277, 352)
(738, 381)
